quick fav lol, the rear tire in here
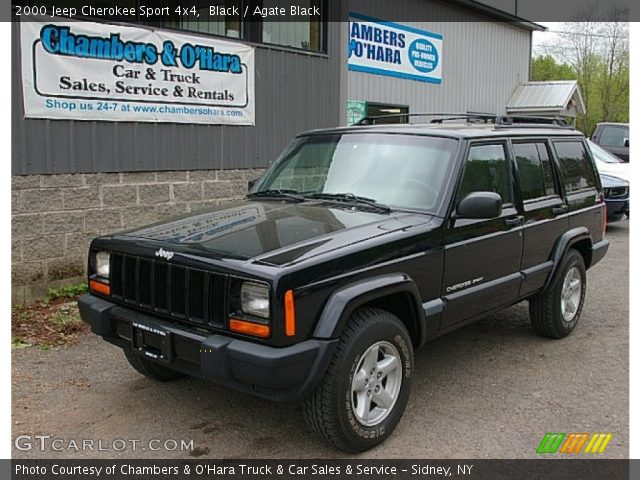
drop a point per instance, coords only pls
(556, 312)
(373, 363)
(150, 369)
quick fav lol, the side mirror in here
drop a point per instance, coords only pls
(251, 183)
(626, 142)
(479, 205)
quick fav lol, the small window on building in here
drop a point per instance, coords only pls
(576, 168)
(486, 170)
(224, 25)
(306, 35)
(382, 110)
(614, 136)
(535, 173)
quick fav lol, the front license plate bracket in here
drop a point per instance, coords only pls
(152, 341)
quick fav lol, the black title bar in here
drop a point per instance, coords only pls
(548, 469)
(524, 12)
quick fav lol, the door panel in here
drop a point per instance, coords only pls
(482, 256)
(543, 220)
(545, 212)
(482, 266)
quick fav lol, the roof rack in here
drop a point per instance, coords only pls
(524, 121)
(500, 121)
(370, 120)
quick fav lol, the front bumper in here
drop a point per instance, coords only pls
(617, 209)
(598, 251)
(281, 374)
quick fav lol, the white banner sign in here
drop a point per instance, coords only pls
(394, 50)
(94, 71)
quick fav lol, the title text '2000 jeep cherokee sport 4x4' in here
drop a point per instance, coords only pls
(354, 248)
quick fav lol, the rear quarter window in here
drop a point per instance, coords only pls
(576, 169)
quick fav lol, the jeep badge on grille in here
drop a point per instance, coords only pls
(164, 254)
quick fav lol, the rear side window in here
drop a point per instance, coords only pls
(575, 166)
(535, 173)
(486, 171)
(614, 136)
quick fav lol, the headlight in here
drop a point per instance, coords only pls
(254, 299)
(102, 264)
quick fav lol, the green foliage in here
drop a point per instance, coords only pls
(17, 343)
(545, 68)
(22, 313)
(65, 317)
(62, 318)
(68, 291)
(596, 54)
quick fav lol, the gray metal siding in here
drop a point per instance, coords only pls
(294, 92)
(483, 62)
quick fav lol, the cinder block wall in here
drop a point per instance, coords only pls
(55, 217)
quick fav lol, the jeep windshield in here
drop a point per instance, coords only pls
(395, 170)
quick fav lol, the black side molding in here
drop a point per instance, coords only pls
(567, 239)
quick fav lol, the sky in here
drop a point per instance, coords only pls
(553, 40)
(540, 38)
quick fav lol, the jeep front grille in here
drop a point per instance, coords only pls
(170, 290)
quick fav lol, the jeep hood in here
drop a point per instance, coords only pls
(273, 232)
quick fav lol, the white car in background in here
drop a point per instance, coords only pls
(609, 164)
(614, 176)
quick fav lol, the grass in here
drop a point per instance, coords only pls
(50, 323)
(65, 317)
(68, 291)
(17, 343)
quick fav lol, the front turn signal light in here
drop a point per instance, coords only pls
(99, 287)
(289, 314)
(249, 328)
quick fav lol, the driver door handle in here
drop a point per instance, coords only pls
(560, 209)
(514, 222)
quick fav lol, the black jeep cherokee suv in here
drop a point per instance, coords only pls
(355, 247)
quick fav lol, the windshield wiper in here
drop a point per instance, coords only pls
(349, 198)
(278, 193)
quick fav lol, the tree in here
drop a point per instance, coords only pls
(545, 68)
(598, 55)
(615, 77)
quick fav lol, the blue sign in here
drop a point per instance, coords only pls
(395, 50)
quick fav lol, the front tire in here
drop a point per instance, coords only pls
(366, 387)
(556, 312)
